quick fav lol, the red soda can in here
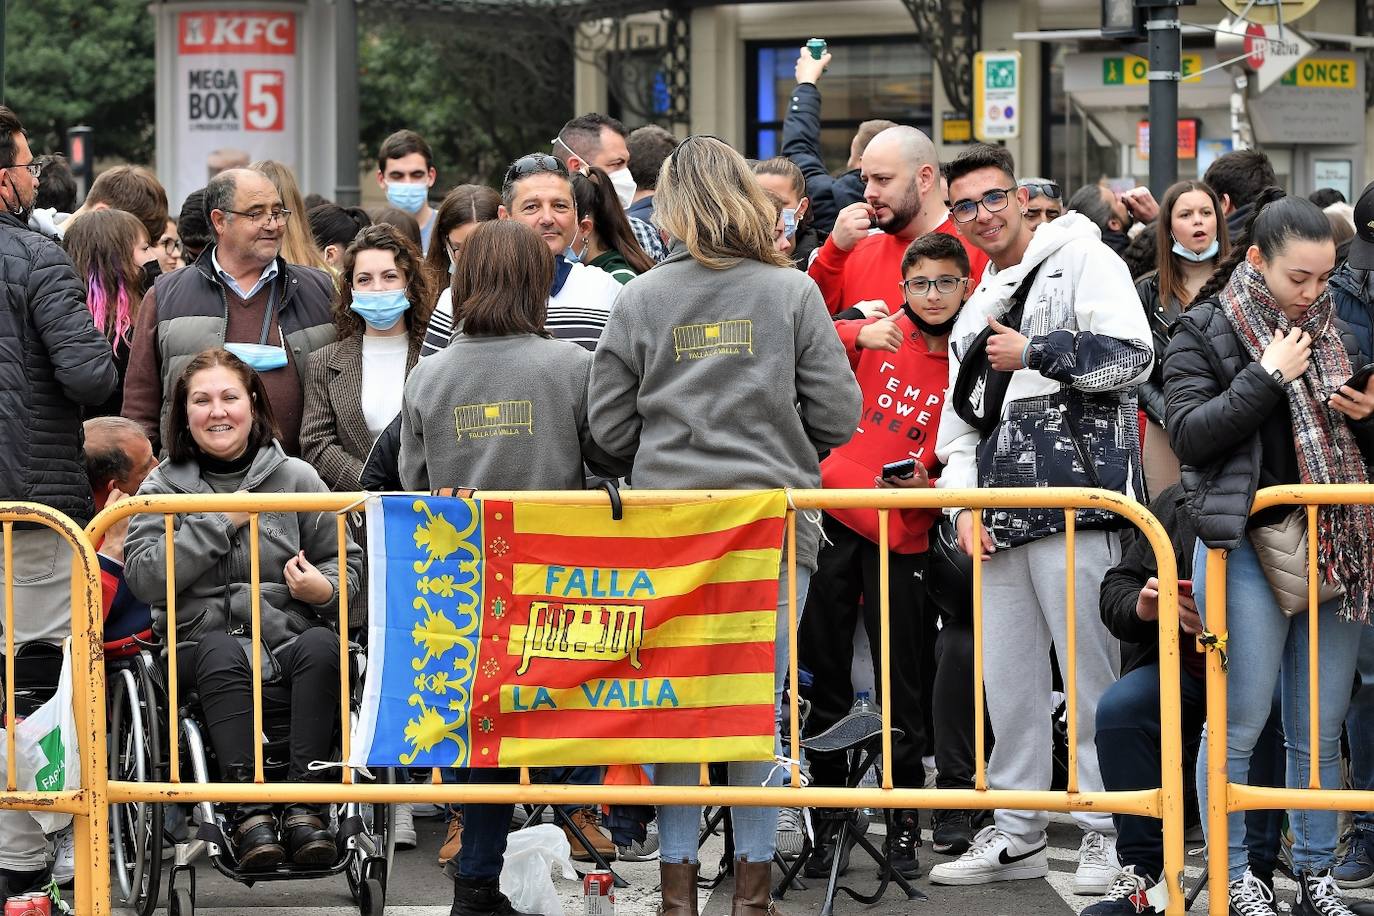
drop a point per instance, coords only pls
(42, 903)
(598, 890)
(28, 905)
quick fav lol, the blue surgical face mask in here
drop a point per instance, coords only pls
(262, 357)
(407, 196)
(381, 310)
(789, 222)
(1197, 257)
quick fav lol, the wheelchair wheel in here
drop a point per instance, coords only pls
(373, 849)
(371, 898)
(135, 756)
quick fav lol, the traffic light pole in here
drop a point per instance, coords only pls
(1166, 51)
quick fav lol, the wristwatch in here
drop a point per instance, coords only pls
(1277, 376)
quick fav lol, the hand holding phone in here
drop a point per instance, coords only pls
(899, 470)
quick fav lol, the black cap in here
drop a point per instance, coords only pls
(1362, 246)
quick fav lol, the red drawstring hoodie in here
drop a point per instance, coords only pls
(903, 393)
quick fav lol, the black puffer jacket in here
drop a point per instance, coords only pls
(53, 362)
(1217, 399)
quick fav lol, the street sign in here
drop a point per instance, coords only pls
(1130, 70)
(997, 95)
(1271, 56)
(1266, 12)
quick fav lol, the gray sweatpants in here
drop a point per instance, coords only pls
(1023, 610)
(42, 611)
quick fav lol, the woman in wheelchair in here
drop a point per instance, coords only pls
(222, 440)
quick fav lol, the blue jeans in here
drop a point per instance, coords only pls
(484, 826)
(1266, 648)
(1359, 726)
(755, 829)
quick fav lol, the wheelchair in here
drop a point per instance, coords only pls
(138, 748)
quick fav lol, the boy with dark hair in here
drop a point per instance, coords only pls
(1238, 177)
(130, 188)
(405, 169)
(901, 365)
(56, 184)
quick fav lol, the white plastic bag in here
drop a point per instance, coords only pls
(525, 877)
(45, 745)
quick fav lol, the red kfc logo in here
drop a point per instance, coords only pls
(223, 32)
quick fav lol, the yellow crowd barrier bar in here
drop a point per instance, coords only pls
(88, 804)
(346, 737)
(1224, 796)
(1164, 803)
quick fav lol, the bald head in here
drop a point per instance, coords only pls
(901, 173)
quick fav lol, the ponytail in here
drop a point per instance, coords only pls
(1240, 246)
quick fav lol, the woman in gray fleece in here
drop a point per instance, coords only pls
(502, 407)
(720, 369)
(223, 441)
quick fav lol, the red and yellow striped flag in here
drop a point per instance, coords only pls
(559, 636)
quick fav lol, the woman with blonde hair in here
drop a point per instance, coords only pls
(774, 392)
(297, 245)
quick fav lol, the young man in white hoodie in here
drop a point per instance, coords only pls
(1071, 359)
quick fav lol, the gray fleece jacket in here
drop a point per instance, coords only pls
(723, 379)
(500, 413)
(212, 564)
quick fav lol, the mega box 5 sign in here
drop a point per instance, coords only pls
(237, 90)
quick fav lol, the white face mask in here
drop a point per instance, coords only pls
(625, 187)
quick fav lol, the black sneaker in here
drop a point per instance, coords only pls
(1318, 895)
(1249, 896)
(951, 831)
(906, 839)
(823, 855)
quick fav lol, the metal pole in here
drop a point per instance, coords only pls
(346, 192)
(1166, 51)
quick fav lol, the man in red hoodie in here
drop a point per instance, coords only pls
(902, 367)
(902, 197)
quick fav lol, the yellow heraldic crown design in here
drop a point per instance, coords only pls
(438, 538)
(431, 728)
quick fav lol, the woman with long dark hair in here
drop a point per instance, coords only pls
(464, 209)
(1190, 241)
(1256, 395)
(604, 238)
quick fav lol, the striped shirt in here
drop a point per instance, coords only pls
(577, 310)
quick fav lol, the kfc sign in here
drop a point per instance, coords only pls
(220, 32)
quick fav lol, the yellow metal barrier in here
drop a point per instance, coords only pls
(1164, 803)
(87, 805)
(1224, 796)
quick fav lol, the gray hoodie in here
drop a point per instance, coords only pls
(500, 413)
(723, 379)
(212, 563)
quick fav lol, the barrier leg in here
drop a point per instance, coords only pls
(1218, 780)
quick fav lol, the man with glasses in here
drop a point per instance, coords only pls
(53, 361)
(1046, 201)
(240, 292)
(902, 201)
(1043, 363)
(538, 193)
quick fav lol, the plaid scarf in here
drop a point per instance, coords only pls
(1326, 448)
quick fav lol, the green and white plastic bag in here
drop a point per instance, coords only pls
(46, 748)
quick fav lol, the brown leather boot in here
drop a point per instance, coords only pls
(753, 890)
(679, 891)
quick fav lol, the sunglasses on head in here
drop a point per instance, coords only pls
(533, 164)
(1047, 189)
(672, 158)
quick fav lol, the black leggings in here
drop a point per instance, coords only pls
(954, 733)
(218, 669)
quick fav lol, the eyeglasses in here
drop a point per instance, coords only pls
(33, 168)
(533, 164)
(171, 246)
(262, 218)
(994, 201)
(920, 286)
(1043, 189)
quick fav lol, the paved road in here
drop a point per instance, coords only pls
(419, 888)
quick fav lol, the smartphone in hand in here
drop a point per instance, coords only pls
(899, 470)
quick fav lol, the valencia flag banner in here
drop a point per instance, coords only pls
(521, 634)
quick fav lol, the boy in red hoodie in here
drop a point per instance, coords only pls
(902, 367)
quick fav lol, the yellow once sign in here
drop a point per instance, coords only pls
(1266, 11)
(1130, 70)
(1322, 73)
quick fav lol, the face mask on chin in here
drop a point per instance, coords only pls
(151, 270)
(934, 330)
(1197, 257)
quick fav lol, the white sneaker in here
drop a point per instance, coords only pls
(404, 827)
(995, 856)
(791, 834)
(64, 862)
(1097, 865)
(1249, 897)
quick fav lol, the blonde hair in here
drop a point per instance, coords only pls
(297, 244)
(708, 198)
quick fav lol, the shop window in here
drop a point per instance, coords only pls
(868, 78)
